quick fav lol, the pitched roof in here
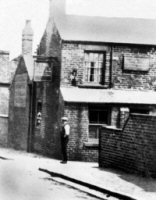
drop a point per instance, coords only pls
(83, 95)
(108, 30)
(4, 52)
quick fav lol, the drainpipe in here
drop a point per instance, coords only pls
(31, 112)
(111, 66)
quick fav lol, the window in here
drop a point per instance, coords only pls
(97, 117)
(93, 67)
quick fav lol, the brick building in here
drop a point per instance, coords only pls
(5, 78)
(107, 71)
(19, 102)
(29, 104)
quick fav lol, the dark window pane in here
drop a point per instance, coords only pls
(93, 116)
(92, 72)
(103, 117)
(139, 111)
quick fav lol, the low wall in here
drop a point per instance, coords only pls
(132, 149)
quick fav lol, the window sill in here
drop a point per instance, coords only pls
(3, 116)
(91, 144)
(92, 85)
(112, 128)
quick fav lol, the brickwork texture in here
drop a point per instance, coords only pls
(19, 110)
(131, 149)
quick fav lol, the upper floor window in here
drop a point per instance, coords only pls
(94, 63)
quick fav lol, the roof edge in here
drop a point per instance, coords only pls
(108, 43)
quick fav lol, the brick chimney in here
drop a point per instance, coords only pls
(27, 39)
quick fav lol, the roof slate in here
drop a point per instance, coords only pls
(83, 95)
(106, 30)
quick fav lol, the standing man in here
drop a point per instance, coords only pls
(65, 131)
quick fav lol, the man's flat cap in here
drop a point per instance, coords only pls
(64, 118)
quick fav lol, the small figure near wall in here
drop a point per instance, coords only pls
(65, 131)
(39, 118)
(73, 77)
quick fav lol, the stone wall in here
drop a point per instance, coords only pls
(132, 149)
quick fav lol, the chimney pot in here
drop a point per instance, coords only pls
(27, 38)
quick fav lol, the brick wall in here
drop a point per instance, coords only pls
(4, 109)
(19, 104)
(50, 121)
(133, 149)
(3, 131)
(4, 67)
(73, 58)
(131, 79)
(78, 120)
(4, 96)
(50, 44)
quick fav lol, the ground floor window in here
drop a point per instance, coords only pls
(139, 111)
(97, 116)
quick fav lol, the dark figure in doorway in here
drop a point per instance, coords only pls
(65, 131)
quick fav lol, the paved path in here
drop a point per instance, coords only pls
(112, 180)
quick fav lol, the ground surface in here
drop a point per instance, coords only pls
(20, 179)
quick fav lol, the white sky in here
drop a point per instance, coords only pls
(114, 8)
(13, 14)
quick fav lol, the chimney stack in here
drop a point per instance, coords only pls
(27, 39)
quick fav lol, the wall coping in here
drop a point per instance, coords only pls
(139, 114)
(143, 115)
(91, 144)
(111, 128)
(3, 116)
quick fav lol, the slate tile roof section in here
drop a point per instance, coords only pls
(83, 95)
(106, 30)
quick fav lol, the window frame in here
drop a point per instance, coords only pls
(102, 82)
(97, 125)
